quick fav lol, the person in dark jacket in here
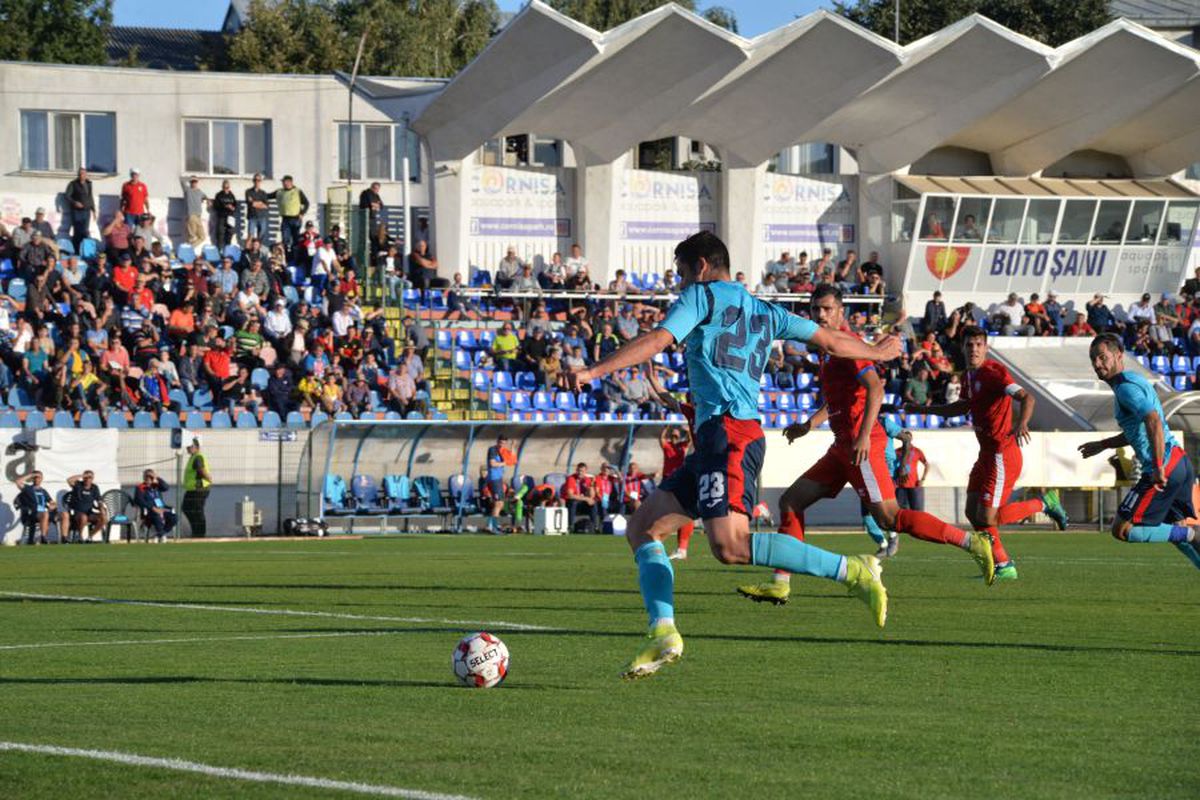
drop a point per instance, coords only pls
(81, 207)
(150, 498)
(281, 391)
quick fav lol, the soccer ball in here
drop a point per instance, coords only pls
(480, 661)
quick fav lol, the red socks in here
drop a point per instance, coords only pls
(998, 551)
(685, 535)
(792, 524)
(1015, 512)
(930, 528)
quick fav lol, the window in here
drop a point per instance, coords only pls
(938, 213)
(378, 151)
(547, 152)
(1076, 221)
(1145, 221)
(972, 217)
(1181, 219)
(1040, 221)
(64, 141)
(226, 146)
(904, 213)
(1006, 220)
(1110, 222)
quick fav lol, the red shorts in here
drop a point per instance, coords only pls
(721, 474)
(871, 479)
(994, 475)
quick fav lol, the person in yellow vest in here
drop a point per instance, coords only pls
(196, 483)
(293, 205)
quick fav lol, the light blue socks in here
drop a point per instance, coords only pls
(1165, 532)
(656, 579)
(782, 551)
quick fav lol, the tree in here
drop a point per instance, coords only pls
(604, 15)
(299, 36)
(55, 31)
(1049, 21)
(422, 37)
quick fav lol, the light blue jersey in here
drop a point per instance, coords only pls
(729, 333)
(893, 431)
(1135, 398)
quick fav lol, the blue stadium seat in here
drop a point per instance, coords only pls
(766, 400)
(804, 380)
(246, 420)
(766, 382)
(35, 420)
(1182, 383)
(543, 401)
(519, 401)
(462, 360)
(291, 295)
(116, 420)
(317, 418)
(343, 416)
(461, 494)
(437, 300)
(19, 399)
(259, 378)
(194, 420)
(9, 419)
(466, 340)
(1145, 362)
(804, 401)
(1180, 365)
(503, 381)
(143, 419)
(365, 493)
(498, 403)
(168, 419)
(220, 419)
(17, 289)
(65, 246)
(392, 415)
(6, 268)
(186, 253)
(480, 277)
(486, 338)
(480, 381)
(211, 254)
(179, 397)
(88, 420)
(1161, 365)
(526, 381)
(63, 419)
(785, 402)
(933, 421)
(914, 421)
(233, 251)
(444, 339)
(296, 420)
(565, 401)
(202, 399)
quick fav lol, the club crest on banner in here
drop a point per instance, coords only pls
(945, 261)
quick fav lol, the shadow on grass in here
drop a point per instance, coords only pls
(169, 680)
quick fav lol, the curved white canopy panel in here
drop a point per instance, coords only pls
(1163, 139)
(1101, 80)
(793, 79)
(949, 81)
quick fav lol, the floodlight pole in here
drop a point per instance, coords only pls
(362, 41)
(897, 23)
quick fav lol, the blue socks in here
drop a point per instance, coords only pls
(786, 552)
(656, 579)
(1159, 533)
(873, 529)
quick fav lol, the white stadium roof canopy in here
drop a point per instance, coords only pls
(1122, 89)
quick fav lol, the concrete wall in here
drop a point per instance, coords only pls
(150, 107)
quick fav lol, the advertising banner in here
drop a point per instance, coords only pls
(530, 209)
(655, 210)
(59, 454)
(802, 213)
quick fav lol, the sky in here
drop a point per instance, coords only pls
(753, 16)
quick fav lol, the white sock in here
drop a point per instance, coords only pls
(965, 544)
(783, 577)
(662, 620)
(841, 576)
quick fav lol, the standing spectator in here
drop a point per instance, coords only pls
(579, 492)
(225, 207)
(84, 507)
(81, 207)
(197, 482)
(910, 477)
(135, 198)
(149, 497)
(293, 205)
(935, 314)
(35, 506)
(195, 201)
(258, 211)
(499, 456)
(371, 202)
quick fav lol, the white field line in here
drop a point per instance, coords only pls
(281, 612)
(230, 773)
(243, 638)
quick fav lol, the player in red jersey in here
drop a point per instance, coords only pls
(988, 393)
(675, 443)
(853, 395)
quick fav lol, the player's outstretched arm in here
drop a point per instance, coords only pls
(1089, 449)
(844, 345)
(661, 395)
(641, 349)
(798, 429)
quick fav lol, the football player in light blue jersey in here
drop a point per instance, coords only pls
(1162, 497)
(728, 333)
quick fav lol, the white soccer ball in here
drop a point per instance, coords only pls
(480, 661)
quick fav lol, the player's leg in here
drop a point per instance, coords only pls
(991, 477)
(872, 528)
(873, 483)
(823, 479)
(655, 519)
(1148, 514)
(681, 545)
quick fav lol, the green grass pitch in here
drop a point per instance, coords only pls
(1076, 681)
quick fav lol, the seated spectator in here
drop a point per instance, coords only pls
(280, 392)
(1101, 317)
(870, 267)
(580, 280)
(1010, 318)
(84, 507)
(873, 286)
(150, 498)
(508, 269)
(767, 286)
(845, 275)
(422, 267)
(576, 262)
(534, 348)
(802, 283)
(505, 348)
(358, 396)
(401, 391)
(86, 392)
(331, 394)
(554, 275)
(525, 281)
(458, 303)
(579, 492)
(916, 390)
(953, 391)
(627, 326)
(551, 370)
(605, 343)
(1080, 326)
(1191, 286)
(620, 284)
(1054, 311)
(154, 390)
(780, 271)
(35, 505)
(1038, 318)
